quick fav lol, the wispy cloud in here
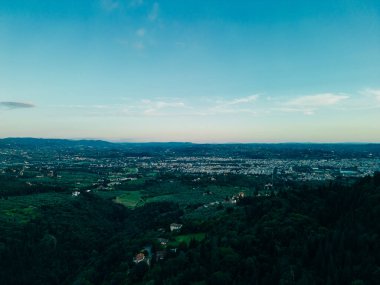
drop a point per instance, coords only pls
(109, 5)
(156, 107)
(154, 12)
(141, 32)
(139, 45)
(137, 37)
(225, 110)
(309, 104)
(16, 105)
(374, 93)
(136, 3)
(129, 108)
(252, 105)
(243, 100)
(234, 106)
(304, 110)
(318, 100)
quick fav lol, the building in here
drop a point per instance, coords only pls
(139, 257)
(163, 241)
(175, 227)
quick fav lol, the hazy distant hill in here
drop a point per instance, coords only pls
(32, 142)
(249, 150)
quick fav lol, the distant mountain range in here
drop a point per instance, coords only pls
(92, 142)
(247, 150)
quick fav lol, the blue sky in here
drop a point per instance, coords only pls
(202, 71)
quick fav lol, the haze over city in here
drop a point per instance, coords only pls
(241, 71)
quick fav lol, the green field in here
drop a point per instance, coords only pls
(185, 195)
(22, 209)
(130, 199)
(66, 179)
(78, 179)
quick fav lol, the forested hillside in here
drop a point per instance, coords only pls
(325, 235)
(328, 235)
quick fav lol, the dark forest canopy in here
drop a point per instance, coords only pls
(324, 235)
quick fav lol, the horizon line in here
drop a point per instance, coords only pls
(126, 141)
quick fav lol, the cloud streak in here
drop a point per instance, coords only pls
(153, 14)
(155, 107)
(16, 105)
(374, 93)
(318, 100)
(310, 103)
(243, 100)
(141, 32)
(243, 106)
(234, 106)
(136, 3)
(110, 5)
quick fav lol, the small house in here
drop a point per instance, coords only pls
(139, 257)
(175, 227)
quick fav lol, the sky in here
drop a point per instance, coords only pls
(196, 70)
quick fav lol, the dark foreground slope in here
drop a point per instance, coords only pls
(328, 235)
